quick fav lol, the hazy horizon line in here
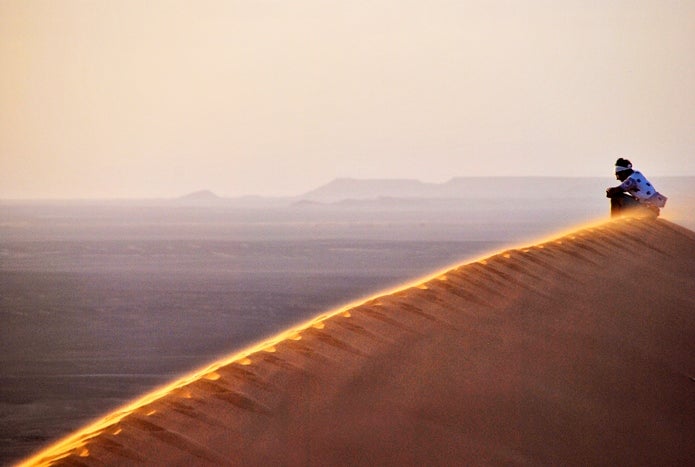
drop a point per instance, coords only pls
(214, 193)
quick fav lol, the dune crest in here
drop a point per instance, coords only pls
(576, 350)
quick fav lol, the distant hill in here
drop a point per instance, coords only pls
(408, 194)
(351, 188)
(202, 195)
(458, 188)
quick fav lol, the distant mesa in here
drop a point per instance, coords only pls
(356, 189)
(458, 188)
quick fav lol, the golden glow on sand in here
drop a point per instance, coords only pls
(76, 442)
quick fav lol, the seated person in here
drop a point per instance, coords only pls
(635, 192)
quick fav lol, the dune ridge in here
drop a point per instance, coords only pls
(577, 350)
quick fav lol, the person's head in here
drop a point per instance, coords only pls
(623, 169)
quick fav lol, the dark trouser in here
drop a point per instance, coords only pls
(622, 203)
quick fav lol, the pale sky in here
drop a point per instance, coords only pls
(158, 98)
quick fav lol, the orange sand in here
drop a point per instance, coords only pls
(579, 350)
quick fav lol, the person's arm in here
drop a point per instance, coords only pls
(627, 185)
(614, 191)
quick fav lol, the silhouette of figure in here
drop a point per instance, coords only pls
(635, 193)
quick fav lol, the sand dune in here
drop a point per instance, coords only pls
(578, 350)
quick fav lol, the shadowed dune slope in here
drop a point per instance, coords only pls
(578, 350)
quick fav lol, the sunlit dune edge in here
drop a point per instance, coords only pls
(577, 349)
